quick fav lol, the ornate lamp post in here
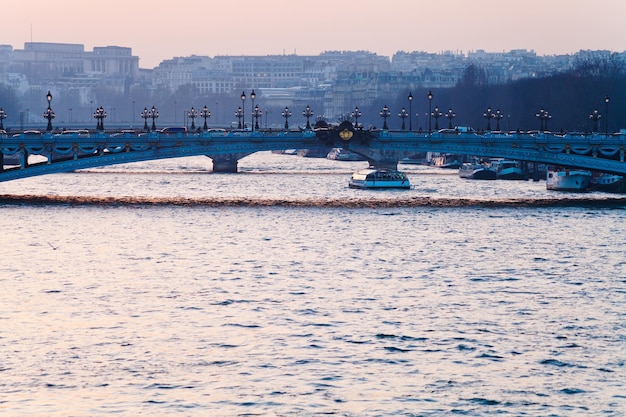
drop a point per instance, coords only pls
(243, 115)
(595, 117)
(99, 115)
(410, 111)
(437, 114)
(498, 116)
(49, 114)
(256, 113)
(403, 115)
(3, 115)
(308, 113)
(356, 113)
(239, 115)
(205, 114)
(606, 115)
(286, 114)
(154, 114)
(192, 114)
(252, 97)
(430, 99)
(384, 113)
(488, 115)
(450, 115)
(543, 117)
(145, 115)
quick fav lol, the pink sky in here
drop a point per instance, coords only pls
(162, 29)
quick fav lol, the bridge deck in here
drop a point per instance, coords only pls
(67, 152)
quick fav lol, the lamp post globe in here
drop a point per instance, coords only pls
(595, 117)
(385, 113)
(205, 113)
(154, 114)
(49, 114)
(403, 115)
(356, 113)
(437, 114)
(239, 115)
(410, 97)
(252, 97)
(145, 115)
(308, 113)
(450, 115)
(3, 115)
(606, 115)
(429, 96)
(192, 114)
(256, 114)
(243, 115)
(286, 114)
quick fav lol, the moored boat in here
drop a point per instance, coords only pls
(374, 178)
(476, 171)
(568, 180)
(507, 169)
(340, 154)
(609, 183)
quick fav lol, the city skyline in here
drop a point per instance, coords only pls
(160, 32)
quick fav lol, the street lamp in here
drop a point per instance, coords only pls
(595, 117)
(430, 99)
(99, 115)
(243, 115)
(239, 115)
(403, 115)
(3, 115)
(49, 114)
(205, 113)
(488, 115)
(356, 114)
(256, 113)
(252, 97)
(410, 111)
(437, 114)
(308, 113)
(498, 116)
(286, 114)
(543, 117)
(384, 113)
(145, 115)
(606, 115)
(192, 114)
(154, 114)
(450, 115)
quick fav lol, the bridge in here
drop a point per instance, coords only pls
(66, 152)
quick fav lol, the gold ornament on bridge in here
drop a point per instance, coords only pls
(345, 134)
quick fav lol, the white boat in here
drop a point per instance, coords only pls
(507, 169)
(340, 154)
(379, 178)
(475, 171)
(568, 180)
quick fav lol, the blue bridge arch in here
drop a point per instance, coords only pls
(69, 152)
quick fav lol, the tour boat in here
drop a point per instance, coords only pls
(475, 171)
(379, 178)
(568, 180)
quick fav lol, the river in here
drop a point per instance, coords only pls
(160, 288)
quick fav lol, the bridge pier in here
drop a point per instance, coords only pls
(227, 163)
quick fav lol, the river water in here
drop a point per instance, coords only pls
(163, 289)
